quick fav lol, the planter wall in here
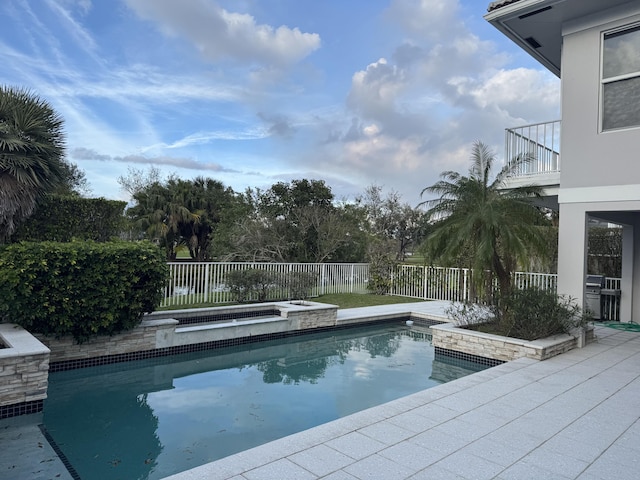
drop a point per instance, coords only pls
(24, 371)
(449, 337)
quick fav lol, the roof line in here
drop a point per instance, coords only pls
(499, 4)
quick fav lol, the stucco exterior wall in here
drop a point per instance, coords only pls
(590, 157)
(600, 172)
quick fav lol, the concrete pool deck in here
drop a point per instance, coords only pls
(574, 416)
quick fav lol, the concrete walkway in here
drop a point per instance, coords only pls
(575, 416)
(25, 453)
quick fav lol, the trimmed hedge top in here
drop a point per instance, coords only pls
(80, 288)
(63, 218)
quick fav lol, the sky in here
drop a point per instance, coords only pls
(254, 92)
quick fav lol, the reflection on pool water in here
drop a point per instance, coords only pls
(152, 418)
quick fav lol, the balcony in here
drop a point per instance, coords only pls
(540, 142)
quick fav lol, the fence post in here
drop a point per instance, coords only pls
(207, 289)
(425, 281)
(351, 288)
(465, 279)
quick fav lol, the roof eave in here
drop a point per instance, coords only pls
(498, 16)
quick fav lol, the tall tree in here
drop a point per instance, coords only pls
(392, 222)
(159, 212)
(137, 180)
(501, 226)
(73, 182)
(293, 209)
(294, 222)
(179, 212)
(208, 200)
(31, 154)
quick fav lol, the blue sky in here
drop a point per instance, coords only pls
(253, 92)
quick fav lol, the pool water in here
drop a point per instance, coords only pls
(152, 418)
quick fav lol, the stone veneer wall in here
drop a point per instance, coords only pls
(308, 315)
(158, 330)
(24, 371)
(142, 338)
(496, 347)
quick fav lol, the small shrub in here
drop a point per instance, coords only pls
(258, 285)
(251, 284)
(533, 313)
(80, 288)
(382, 265)
(466, 313)
(528, 313)
(299, 284)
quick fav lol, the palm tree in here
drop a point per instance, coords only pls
(499, 227)
(31, 154)
(160, 213)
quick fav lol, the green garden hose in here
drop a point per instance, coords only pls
(627, 327)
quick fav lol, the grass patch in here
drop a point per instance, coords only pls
(415, 259)
(354, 300)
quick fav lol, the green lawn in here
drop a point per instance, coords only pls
(415, 259)
(343, 300)
(353, 300)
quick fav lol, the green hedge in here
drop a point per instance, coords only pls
(60, 218)
(80, 288)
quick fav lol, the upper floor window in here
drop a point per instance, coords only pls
(621, 79)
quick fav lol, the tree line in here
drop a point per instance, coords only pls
(299, 221)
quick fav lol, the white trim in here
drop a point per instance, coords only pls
(601, 19)
(613, 193)
(619, 30)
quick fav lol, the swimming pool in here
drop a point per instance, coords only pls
(152, 418)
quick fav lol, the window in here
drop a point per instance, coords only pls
(621, 79)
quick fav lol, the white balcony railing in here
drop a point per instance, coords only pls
(539, 141)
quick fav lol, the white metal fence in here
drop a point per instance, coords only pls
(454, 284)
(610, 301)
(432, 283)
(205, 282)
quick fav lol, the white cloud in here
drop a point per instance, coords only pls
(426, 18)
(521, 91)
(417, 112)
(219, 34)
(81, 36)
(186, 163)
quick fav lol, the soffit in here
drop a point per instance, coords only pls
(536, 25)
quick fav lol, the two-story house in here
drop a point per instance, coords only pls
(594, 168)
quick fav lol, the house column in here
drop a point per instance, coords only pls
(572, 251)
(630, 284)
